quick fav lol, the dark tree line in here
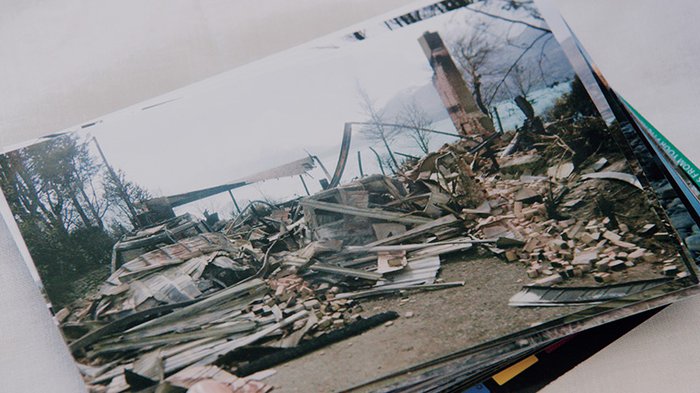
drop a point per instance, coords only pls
(67, 207)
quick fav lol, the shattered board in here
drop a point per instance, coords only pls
(403, 196)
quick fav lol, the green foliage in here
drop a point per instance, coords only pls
(113, 195)
(61, 196)
(576, 120)
(575, 103)
(63, 259)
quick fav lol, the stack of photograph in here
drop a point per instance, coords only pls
(426, 201)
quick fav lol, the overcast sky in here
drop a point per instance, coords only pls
(258, 117)
(268, 112)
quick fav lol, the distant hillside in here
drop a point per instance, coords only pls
(555, 67)
(425, 96)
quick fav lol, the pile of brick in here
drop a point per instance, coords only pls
(579, 240)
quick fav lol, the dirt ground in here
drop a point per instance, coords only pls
(443, 321)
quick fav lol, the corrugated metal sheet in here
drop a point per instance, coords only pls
(421, 271)
(170, 255)
(535, 296)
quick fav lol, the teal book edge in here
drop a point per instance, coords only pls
(671, 151)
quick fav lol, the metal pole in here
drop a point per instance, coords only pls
(238, 209)
(379, 161)
(304, 183)
(407, 155)
(318, 161)
(359, 163)
(498, 119)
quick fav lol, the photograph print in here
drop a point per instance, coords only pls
(344, 211)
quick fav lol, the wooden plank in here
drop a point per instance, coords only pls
(221, 311)
(369, 213)
(437, 250)
(417, 231)
(352, 329)
(125, 345)
(190, 376)
(344, 271)
(413, 247)
(231, 345)
(382, 291)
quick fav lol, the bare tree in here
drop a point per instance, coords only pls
(513, 66)
(376, 130)
(116, 189)
(526, 5)
(514, 5)
(473, 53)
(413, 117)
(522, 80)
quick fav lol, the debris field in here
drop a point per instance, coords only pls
(195, 307)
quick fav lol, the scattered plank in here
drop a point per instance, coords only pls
(428, 227)
(384, 291)
(369, 213)
(172, 338)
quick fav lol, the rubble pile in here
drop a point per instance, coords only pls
(282, 280)
(577, 241)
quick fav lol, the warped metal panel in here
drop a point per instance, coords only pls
(422, 271)
(535, 296)
(294, 168)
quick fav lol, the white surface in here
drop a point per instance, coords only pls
(65, 63)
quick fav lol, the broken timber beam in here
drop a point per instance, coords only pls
(369, 213)
(413, 247)
(383, 291)
(126, 345)
(344, 271)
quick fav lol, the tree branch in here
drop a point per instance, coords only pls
(512, 66)
(503, 18)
